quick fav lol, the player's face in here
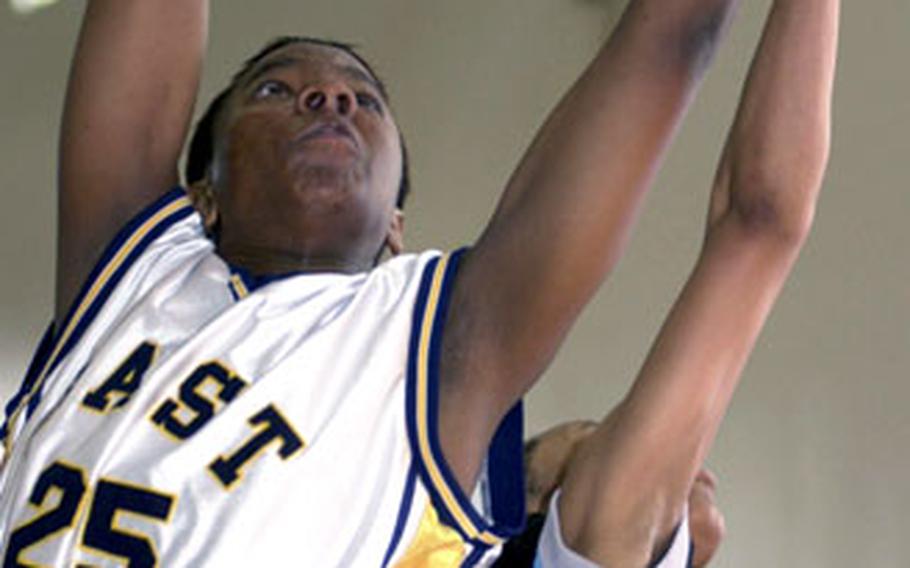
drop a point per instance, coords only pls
(307, 162)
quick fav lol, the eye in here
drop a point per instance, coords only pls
(272, 88)
(368, 101)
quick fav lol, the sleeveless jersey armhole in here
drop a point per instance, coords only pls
(125, 248)
(505, 475)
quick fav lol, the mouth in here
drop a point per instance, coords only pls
(330, 132)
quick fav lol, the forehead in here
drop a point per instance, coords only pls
(311, 57)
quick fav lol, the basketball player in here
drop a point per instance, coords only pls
(269, 393)
(623, 496)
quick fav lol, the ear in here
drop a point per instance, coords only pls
(394, 239)
(203, 198)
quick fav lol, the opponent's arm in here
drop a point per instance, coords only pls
(547, 457)
(565, 214)
(625, 490)
(128, 106)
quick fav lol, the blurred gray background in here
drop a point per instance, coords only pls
(813, 456)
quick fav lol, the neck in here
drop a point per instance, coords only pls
(272, 263)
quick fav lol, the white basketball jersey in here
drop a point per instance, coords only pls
(188, 414)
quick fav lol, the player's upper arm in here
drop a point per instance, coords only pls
(565, 215)
(128, 106)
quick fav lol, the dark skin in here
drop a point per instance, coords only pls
(291, 198)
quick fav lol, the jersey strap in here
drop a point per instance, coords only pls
(127, 246)
(504, 464)
(39, 360)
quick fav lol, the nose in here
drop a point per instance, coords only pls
(329, 97)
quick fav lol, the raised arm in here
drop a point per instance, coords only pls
(565, 215)
(626, 489)
(128, 106)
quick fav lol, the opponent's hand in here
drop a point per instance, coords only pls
(548, 454)
(706, 522)
(546, 457)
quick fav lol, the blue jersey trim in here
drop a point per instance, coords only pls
(407, 500)
(129, 243)
(476, 556)
(505, 472)
(39, 360)
(506, 476)
(252, 282)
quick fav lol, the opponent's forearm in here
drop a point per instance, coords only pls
(686, 382)
(770, 175)
(632, 479)
(779, 143)
(777, 155)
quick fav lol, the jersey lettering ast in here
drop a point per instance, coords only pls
(186, 413)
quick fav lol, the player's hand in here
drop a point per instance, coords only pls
(706, 522)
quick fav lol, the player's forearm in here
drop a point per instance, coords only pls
(137, 63)
(604, 138)
(128, 107)
(779, 144)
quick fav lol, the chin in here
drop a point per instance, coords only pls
(326, 177)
